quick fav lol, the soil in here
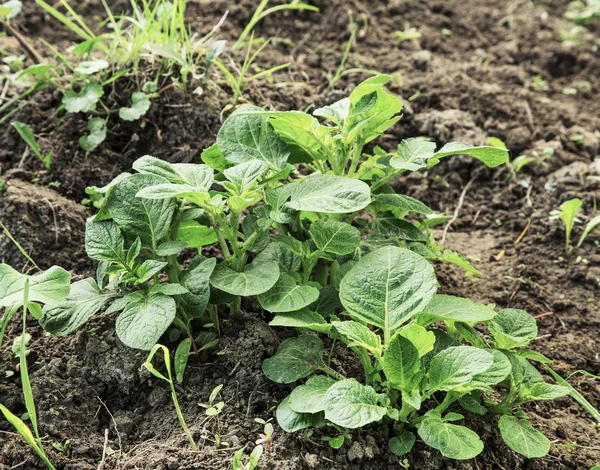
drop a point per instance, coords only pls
(469, 84)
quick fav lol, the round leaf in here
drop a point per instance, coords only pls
(330, 194)
(295, 359)
(453, 441)
(352, 405)
(335, 237)
(256, 279)
(287, 296)
(523, 438)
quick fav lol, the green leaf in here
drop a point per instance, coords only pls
(456, 366)
(302, 319)
(83, 101)
(28, 137)
(455, 442)
(181, 358)
(171, 248)
(310, 397)
(245, 137)
(49, 287)
(197, 281)
(329, 194)
(359, 335)
(490, 156)
(352, 405)
(336, 112)
(90, 67)
(402, 444)
(244, 176)
(545, 391)
(97, 128)
(387, 287)
(140, 106)
(401, 363)
(533, 356)
(422, 339)
(143, 321)
(168, 289)
(9, 10)
(397, 229)
(196, 235)
(512, 328)
(334, 237)
(104, 241)
(148, 219)
(523, 438)
(287, 296)
(83, 301)
(451, 308)
(149, 268)
(213, 157)
(412, 154)
(403, 203)
(290, 421)
(256, 279)
(295, 359)
(499, 370)
(287, 261)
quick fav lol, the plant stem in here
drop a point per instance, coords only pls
(332, 373)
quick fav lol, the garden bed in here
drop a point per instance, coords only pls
(468, 85)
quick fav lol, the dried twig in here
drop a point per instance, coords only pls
(461, 201)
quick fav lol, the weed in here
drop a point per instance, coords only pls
(568, 215)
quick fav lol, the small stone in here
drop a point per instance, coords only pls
(356, 451)
(312, 460)
(172, 463)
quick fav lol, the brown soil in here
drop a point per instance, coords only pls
(474, 83)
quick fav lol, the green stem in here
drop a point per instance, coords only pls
(450, 398)
(332, 373)
(384, 180)
(356, 153)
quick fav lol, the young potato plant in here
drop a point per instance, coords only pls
(423, 360)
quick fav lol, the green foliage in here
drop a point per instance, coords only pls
(29, 138)
(568, 215)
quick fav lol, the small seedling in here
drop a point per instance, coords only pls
(213, 409)
(238, 459)
(267, 436)
(29, 138)
(568, 214)
(169, 379)
(409, 34)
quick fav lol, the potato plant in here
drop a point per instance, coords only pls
(305, 220)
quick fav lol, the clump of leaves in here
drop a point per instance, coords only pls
(390, 312)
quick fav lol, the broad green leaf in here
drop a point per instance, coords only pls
(196, 235)
(184, 179)
(168, 289)
(244, 137)
(491, 156)
(499, 370)
(455, 442)
(402, 444)
(451, 308)
(359, 335)
(329, 194)
(302, 319)
(295, 359)
(140, 104)
(412, 154)
(310, 397)
(104, 241)
(456, 366)
(336, 112)
(512, 328)
(545, 391)
(290, 421)
(288, 262)
(90, 67)
(148, 219)
(155, 166)
(401, 363)
(403, 203)
(256, 279)
(171, 248)
(287, 296)
(182, 355)
(397, 229)
(387, 287)
(523, 438)
(244, 176)
(328, 302)
(143, 321)
(49, 287)
(213, 157)
(472, 403)
(97, 135)
(533, 356)
(149, 268)
(196, 279)
(352, 405)
(83, 301)
(83, 101)
(335, 237)
(422, 339)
